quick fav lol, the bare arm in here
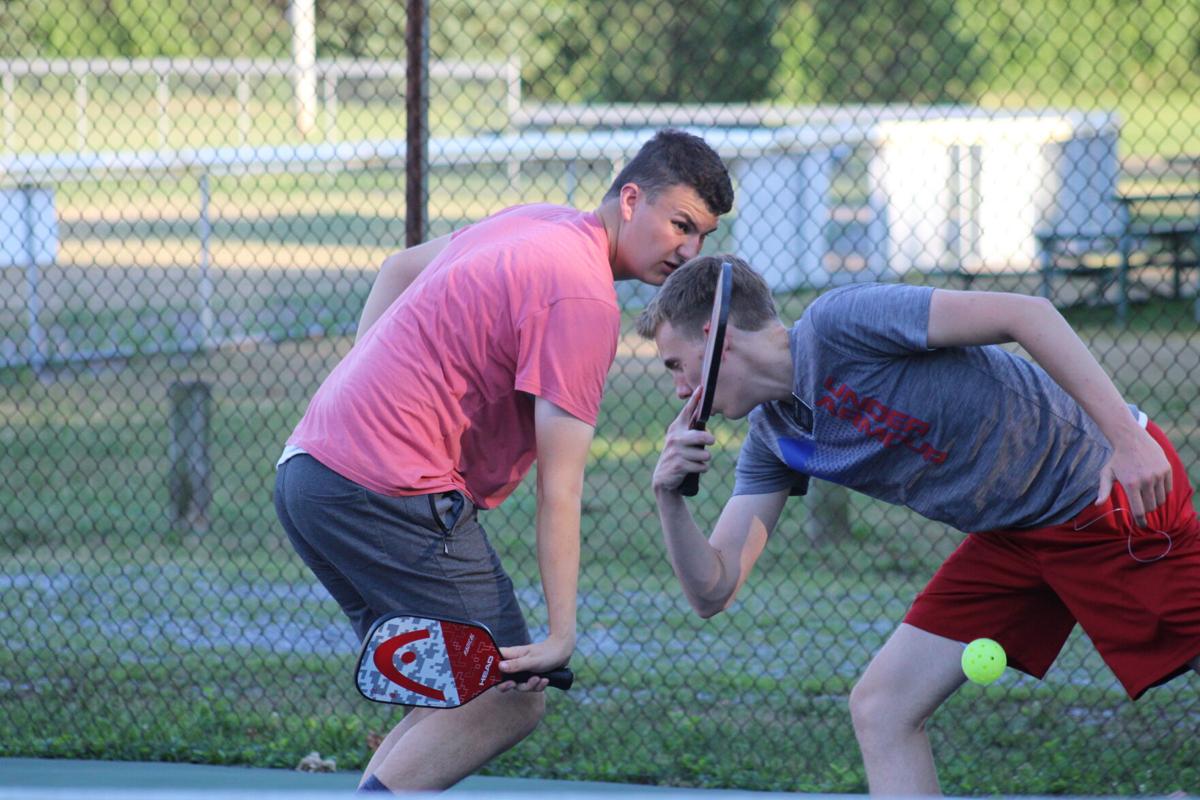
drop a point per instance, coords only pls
(978, 318)
(395, 274)
(562, 451)
(711, 571)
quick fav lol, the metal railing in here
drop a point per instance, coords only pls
(241, 73)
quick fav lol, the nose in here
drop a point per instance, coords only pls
(683, 389)
(690, 247)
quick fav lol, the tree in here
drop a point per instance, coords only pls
(664, 51)
(1057, 47)
(889, 51)
(143, 28)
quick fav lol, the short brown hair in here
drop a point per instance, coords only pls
(686, 297)
(674, 158)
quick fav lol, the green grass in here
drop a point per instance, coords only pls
(48, 121)
(218, 647)
(1153, 123)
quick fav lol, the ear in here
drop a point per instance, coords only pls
(631, 195)
(728, 345)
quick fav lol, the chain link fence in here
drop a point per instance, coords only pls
(195, 198)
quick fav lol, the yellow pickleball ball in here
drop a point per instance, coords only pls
(983, 661)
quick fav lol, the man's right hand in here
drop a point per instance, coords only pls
(543, 656)
(684, 449)
(1140, 466)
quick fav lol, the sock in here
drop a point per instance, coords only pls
(373, 784)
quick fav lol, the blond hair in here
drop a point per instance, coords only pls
(685, 299)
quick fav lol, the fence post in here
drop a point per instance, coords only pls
(304, 63)
(162, 93)
(572, 181)
(416, 116)
(33, 242)
(81, 108)
(10, 112)
(512, 105)
(828, 507)
(245, 126)
(191, 466)
(206, 320)
(330, 82)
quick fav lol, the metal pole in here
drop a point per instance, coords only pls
(304, 59)
(512, 80)
(243, 97)
(572, 182)
(331, 103)
(163, 94)
(190, 478)
(512, 95)
(10, 111)
(206, 286)
(37, 340)
(416, 102)
(81, 109)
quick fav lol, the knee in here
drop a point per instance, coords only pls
(526, 712)
(877, 714)
(865, 706)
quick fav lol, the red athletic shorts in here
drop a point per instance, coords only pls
(1136, 592)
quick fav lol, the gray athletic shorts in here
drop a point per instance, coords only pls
(425, 555)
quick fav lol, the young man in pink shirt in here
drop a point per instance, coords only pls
(478, 353)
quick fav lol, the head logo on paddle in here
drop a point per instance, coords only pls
(417, 661)
(717, 322)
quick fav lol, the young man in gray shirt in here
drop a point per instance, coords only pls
(1079, 508)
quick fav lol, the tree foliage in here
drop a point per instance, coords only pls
(1060, 46)
(887, 51)
(666, 51)
(145, 28)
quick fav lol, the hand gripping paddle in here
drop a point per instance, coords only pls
(712, 363)
(417, 661)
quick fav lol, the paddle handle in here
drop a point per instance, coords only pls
(561, 678)
(690, 486)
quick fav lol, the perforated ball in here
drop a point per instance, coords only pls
(983, 661)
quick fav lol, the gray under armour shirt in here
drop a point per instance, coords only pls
(976, 437)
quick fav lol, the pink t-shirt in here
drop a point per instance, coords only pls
(438, 394)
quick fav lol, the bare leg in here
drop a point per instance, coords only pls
(913, 674)
(410, 718)
(433, 749)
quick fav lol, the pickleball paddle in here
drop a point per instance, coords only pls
(712, 363)
(434, 663)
